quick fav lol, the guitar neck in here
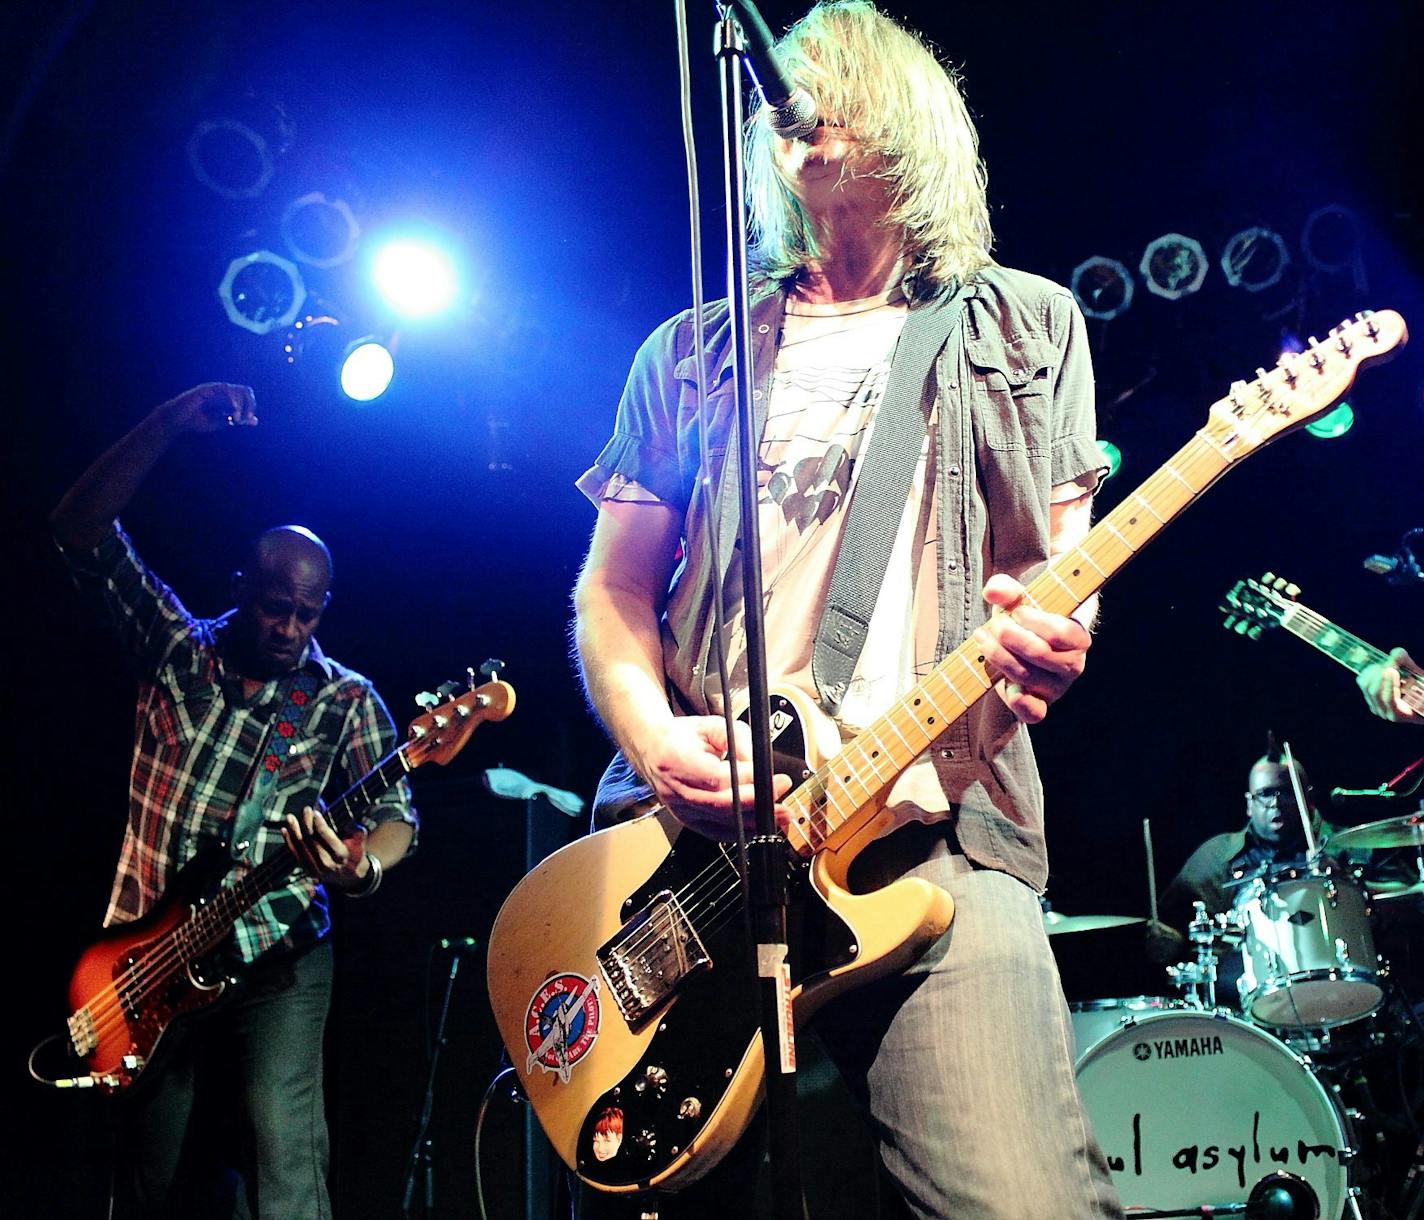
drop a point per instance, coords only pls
(211, 922)
(834, 802)
(1347, 649)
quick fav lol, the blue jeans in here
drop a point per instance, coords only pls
(965, 1062)
(255, 1064)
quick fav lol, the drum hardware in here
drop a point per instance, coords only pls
(1198, 978)
(1277, 1196)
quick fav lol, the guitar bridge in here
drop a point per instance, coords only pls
(650, 956)
(83, 1037)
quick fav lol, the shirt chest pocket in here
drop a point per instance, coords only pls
(175, 719)
(1013, 388)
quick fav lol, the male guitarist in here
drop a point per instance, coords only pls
(242, 721)
(866, 229)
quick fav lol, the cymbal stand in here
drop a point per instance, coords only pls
(1199, 977)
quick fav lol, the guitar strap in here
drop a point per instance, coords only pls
(878, 502)
(297, 695)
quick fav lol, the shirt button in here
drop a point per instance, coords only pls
(756, 394)
(953, 565)
(954, 472)
(291, 749)
(946, 753)
(763, 328)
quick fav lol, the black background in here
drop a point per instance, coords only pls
(544, 140)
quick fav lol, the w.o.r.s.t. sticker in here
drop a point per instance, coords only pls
(561, 1023)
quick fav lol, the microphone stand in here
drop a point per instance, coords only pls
(766, 852)
(421, 1163)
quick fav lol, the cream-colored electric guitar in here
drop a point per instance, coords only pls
(618, 969)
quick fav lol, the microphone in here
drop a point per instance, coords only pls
(1401, 568)
(460, 946)
(791, 111)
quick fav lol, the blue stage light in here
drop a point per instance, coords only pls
(416, 278)
(367, 370)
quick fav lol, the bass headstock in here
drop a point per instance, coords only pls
(1254, 606)
(441, 731)
(1302, 385)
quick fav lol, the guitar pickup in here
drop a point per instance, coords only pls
(646, 961)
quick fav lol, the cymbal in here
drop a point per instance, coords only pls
(1056, 923)
(1383, 890)
(1406, 831)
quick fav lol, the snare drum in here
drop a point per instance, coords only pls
(1193, 1108)
(1094, 1020)
(1308, 959)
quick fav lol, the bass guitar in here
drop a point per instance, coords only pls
(1254, 606)
(138, 978)
(618, 968)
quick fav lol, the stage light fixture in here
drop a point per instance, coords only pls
(416, 278)
(262, 291)
(1112, 458)
(320, 232)
(367, 370)
(1331, 243)
(1254, 259)
(1173, 266)
(230, 158)
(1334, 423)
(1102, 287)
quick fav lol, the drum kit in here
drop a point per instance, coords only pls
(1267, 1110)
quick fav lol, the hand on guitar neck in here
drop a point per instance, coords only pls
(1383, 693)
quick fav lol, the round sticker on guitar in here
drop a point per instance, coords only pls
(561, 1023)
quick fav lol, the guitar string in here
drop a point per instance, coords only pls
(693, 901)
(185, 943)
(1411, 684)
(820, 779)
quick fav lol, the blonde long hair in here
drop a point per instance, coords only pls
(882, 82)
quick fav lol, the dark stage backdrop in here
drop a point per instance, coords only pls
(545, 142)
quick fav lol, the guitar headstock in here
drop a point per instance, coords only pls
(1302, 385)
(442, 730)
(1254, 606)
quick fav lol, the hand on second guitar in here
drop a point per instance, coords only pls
(336, 862)
(686, 762)
(1380, 684)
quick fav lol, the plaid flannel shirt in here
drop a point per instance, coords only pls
(195, 740)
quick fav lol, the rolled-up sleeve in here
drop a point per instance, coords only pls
(1076, 457)
(644, 446)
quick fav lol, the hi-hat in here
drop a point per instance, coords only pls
(1406, 831)
(1057, 924)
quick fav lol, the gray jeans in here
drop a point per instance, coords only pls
(261, 1056)
(965, 1062)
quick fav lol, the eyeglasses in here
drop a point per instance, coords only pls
(1271, 796)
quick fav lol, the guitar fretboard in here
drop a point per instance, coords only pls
(835, 801)
(1347, 649)
(211, 922)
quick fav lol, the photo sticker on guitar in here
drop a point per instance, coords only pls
(561, 1023)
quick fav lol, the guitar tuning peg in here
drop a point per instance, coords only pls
(427, 700)
(1292, 590)
(447, 690)
(1255, 632)
(492, 668)
(1267, 577)
(1230, 622)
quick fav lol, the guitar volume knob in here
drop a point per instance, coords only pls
(690, 1109)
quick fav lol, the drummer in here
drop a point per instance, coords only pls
(1273, 837)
